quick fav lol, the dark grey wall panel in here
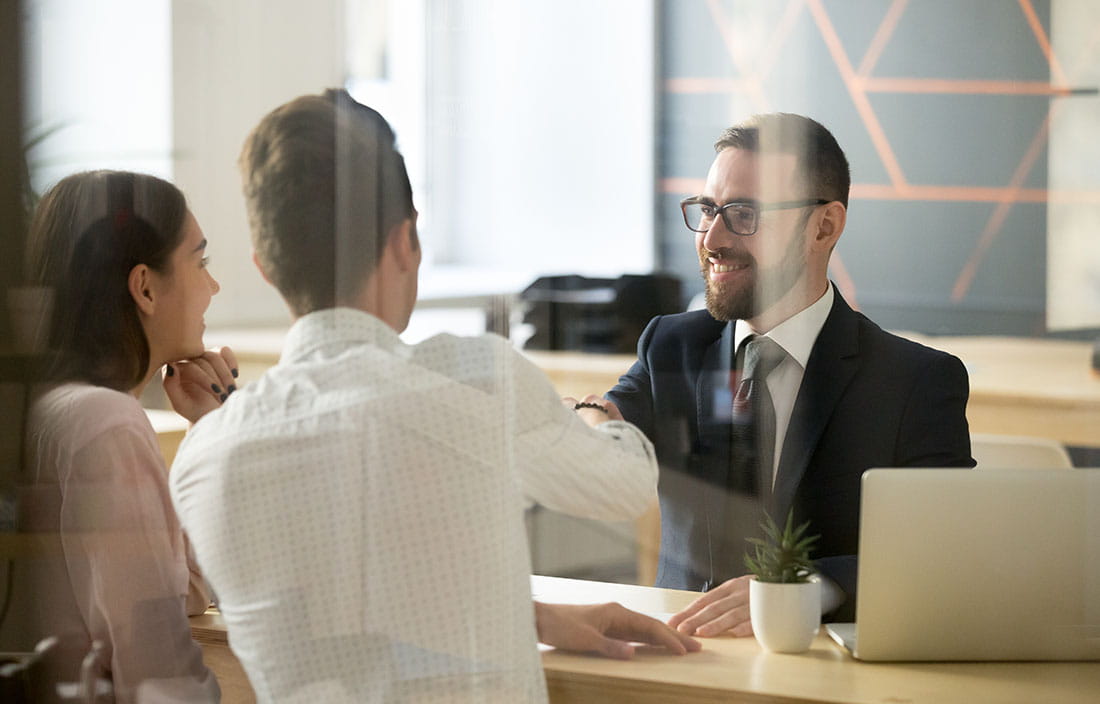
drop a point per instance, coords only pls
(985, 39)
(907, 259)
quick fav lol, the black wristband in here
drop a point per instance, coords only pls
(586, 404)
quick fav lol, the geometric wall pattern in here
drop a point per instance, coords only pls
(944, 109)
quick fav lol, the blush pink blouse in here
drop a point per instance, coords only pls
(125, 576)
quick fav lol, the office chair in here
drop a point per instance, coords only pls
(1018, 452)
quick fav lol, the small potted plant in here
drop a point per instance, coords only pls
(784, 596)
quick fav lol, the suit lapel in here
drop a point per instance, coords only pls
(712, 390)
(832, 363)
(714, 402)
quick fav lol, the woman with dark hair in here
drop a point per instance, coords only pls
(126, 262)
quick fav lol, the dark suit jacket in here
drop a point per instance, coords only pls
(868, 399)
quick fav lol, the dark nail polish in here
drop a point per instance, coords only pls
(232, 388)
(171, 371)
(217, 389)
(223, 397)
(233, 372)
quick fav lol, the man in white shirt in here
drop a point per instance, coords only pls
(840, 396)
(359, 509)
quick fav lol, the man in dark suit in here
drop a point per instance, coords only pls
(839, 396)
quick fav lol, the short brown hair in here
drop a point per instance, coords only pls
(324, 185)
(87, 233)
(821, 161)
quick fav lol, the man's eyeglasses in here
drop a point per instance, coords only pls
(740, 217)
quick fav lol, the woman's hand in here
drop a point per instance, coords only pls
(199, 385)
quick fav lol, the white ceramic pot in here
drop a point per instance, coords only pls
(785, 617)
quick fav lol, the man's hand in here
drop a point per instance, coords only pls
(724, 608)
(606, 629)
(594, 416)
(197, 386)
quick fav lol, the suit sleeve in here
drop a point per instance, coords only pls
(934, 431)
(634, 392)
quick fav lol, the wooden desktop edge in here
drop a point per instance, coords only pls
(738, 669)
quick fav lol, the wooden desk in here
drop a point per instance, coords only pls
(209, 632)
(170, 428)
(737, 669)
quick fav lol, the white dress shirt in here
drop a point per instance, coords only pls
(123, 577)
(359, 512)
(796, 335)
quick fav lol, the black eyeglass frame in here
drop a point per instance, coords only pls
(758, 207)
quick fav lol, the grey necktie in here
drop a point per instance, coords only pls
(753, 431)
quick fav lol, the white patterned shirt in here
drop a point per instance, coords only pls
(359, 512)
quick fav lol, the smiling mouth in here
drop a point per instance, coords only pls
(720, 268)
(722, 265)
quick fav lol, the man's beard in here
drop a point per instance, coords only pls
(756, 292)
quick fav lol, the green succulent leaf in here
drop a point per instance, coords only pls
(781, 555)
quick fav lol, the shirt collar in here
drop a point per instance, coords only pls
(797, 334)
(336, 326)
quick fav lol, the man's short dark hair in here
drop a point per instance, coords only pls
(324, 185)
(821, 161)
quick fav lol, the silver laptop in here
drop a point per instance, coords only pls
(977, 565)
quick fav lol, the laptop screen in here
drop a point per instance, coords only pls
(979, 565)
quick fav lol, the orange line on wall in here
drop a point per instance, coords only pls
(1056, 73)
(970, 268)
(718, 18)
(779, 37)
(930, 194)
(687, 186)
(957, 194)
(889, 85)
(860, 83)
(882, 37)
(752, 83)
(1000, 213)
(969, 87)
(973, 194)
(859, 98)
(1013, 192)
